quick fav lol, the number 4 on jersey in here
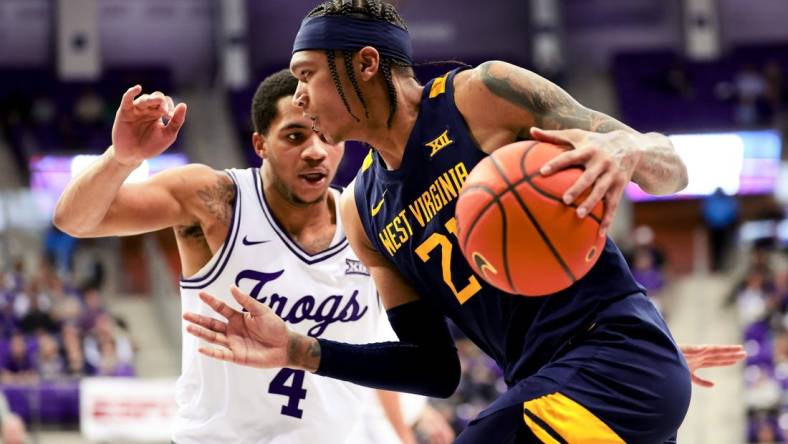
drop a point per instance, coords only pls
(294, 392)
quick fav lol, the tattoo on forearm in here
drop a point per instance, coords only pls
(292, 347)
(550, 106)
(218, 199)
(304, 352)
(314, 350)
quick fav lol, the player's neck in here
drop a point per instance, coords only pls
(303, 222)
(390, 142)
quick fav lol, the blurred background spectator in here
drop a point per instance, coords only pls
(721, 214)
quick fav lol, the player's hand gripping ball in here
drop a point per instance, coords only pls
(515, 230)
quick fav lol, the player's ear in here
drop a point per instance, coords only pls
(260, 145)
(369, 60)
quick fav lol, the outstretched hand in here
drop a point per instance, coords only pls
(609, 161)
(256, 337)
(706, 356)
(140, 131)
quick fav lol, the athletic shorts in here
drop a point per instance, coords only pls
(624, 380)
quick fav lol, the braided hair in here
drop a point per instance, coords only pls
(375, 9)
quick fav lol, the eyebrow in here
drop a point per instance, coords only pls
(298, 65)
(293, 125)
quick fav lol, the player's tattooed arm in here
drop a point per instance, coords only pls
(217, 199)
(303, 352)
(653, 162)
(549, 105)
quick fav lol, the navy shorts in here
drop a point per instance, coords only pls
(624, 380)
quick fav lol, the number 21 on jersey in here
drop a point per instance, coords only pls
(441, 241)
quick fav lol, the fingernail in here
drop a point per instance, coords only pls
(567, 199)
(581, 212)
(545, 170)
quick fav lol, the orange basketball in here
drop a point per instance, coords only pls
(514, 228)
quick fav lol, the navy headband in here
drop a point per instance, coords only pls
(337, 32)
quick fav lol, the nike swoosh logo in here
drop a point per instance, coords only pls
(483, 264)
(246, 241)
(376, 208)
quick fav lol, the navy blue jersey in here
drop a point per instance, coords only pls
(408, 214)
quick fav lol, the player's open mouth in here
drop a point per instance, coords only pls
(313, 178)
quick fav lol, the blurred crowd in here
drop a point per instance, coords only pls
(51, 329)
(761, 300)
(52, 333)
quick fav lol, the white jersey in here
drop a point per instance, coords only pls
(328, 295)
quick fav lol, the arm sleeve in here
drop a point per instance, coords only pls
(424, 361)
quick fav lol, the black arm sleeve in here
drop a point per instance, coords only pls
(424, 362)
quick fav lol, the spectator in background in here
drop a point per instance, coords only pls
(89, 108)
(92, 309)
(60, 248)
(752, 296)
(66, 308)
(107, 351)
(94, 278)
(721, 215)
(91, 122)
(780, 352)
(8, 323)
(49, 363)
(72, 346)
(24, 298)
(42, 111)
(66, 304)
(677, 80)
(765, 430)
(750, 89)
(18, 368)
(37, 319)
(647, 262)
(15, 279)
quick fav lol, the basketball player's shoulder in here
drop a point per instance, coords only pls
(479, 85)
(202, 192)
(192, 179)
(479, 96)
(191, 175)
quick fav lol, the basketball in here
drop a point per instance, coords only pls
(514, 228)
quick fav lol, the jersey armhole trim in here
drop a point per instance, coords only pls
(202, 280)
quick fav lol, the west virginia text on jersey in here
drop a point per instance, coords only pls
(434, 198)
